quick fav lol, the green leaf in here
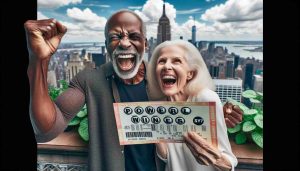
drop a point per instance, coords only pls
(83, 129)
(243, 107)
(237, 128)
(257, 137)
(249, 94)
(231, 100)
(259, 94)
(248, 126)
(259, 119)
(234, 102)
(81, 113)
(240, 138)
(74, 121)
(254, 100)
(248, 117)
(250, 112)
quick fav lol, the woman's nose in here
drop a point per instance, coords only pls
(168, 66)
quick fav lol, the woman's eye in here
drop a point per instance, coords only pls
(161, 61)
(177, 61)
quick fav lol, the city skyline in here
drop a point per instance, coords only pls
(214, 19)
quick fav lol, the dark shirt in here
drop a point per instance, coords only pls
(139, 157)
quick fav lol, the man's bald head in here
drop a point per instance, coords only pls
(115, 17)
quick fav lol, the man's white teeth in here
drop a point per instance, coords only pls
(168, 77)
(125, 56)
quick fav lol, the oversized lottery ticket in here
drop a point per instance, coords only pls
(152, 122)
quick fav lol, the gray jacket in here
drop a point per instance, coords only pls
(94, 87)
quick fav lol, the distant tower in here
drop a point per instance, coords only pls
(214, 71)
(211, 47)
(164, 28)
(229, 68)
(231, 88)
(258, 83)
(75, 64)
(194, 33)
(248, 76)
(236, 63)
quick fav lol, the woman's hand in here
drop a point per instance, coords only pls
(233, 114)
(205, 153)
(162, 150)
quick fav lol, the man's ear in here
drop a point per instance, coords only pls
(191, 75)
(105, 43)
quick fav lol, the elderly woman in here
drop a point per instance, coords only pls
(177, 72)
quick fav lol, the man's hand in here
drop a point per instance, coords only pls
(233, 115)
(43, 37)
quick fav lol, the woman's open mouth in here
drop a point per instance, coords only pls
(168, 80)
(126, 62)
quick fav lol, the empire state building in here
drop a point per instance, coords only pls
(164, 28)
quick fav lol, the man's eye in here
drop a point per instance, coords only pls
(135, 36)
(114, 37)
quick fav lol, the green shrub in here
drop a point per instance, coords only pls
(251, 127)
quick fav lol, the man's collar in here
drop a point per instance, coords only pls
(109, 70)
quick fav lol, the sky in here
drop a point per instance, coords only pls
(214, 19)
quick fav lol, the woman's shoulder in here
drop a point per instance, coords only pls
(207, 95)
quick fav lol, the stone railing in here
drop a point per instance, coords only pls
(68, 152)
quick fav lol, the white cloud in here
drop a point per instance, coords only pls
(87, 17)
(135, 7)
(71, 26)
(84, 26)
(104, 6)
(191, 11)
(152, 11)
(235, 11)
(88, 26)
(41, 16)
(56, 3)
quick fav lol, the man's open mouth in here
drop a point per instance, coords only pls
(126, 62)
(168, 80)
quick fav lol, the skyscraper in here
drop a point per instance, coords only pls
(231, 88)
(229, 68)
(258, 83)
(214, 71)
(194, 33)
(248, 76)
(75, 64)
(236, 63)
(211, 47)
(164, 28)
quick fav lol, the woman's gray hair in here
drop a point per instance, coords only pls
(201, 78)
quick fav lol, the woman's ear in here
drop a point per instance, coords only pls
(190, 75)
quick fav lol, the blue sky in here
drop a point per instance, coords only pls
(214, 19)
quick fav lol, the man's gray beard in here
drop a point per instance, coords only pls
(127, 74)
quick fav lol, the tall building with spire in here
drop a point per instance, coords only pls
(194, 33)
(164, 28)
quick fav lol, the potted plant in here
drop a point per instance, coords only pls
(251, 127)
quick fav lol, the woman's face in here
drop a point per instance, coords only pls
(172, 70)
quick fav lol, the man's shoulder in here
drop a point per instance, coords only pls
(93, 74)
